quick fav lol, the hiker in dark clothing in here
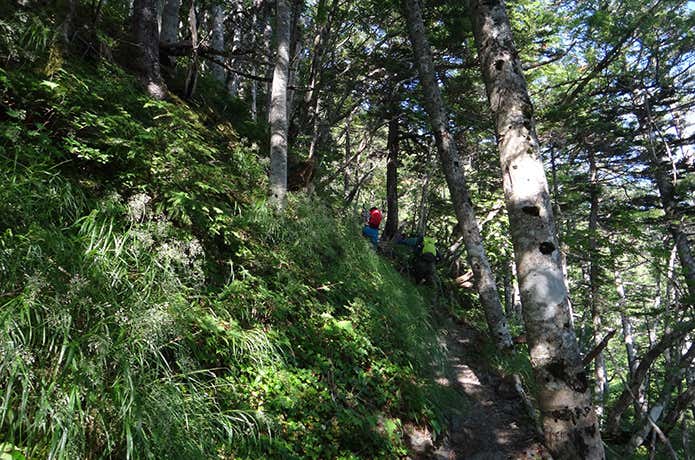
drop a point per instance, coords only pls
(425, 260)
(371, 227)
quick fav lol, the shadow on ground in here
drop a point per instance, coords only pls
(494, 425)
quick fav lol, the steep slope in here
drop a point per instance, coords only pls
(153, 307)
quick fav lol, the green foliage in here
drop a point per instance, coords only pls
(154, 307)
(24, 37)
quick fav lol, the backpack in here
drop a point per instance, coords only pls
(374, 218)
(428, 246)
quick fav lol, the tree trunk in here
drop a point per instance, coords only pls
(685, 437)
(254, 100)
(627, 325)
(232, 80)
(661, 162)
(509, 292)
(662, 403)
(569, 422)
(686, 398)
(670, 283)
(391, 227)
(421, 217)
(312, 97)
(170, 22)
(267, 46)
(192, 74)
(258, 21)
(656, 350)
(66, 27)
(629, 339)
(559, 223)
(348, 154)
(453, 171)
(296, 49)
(600, 382)
(682, 403)
(146, 38)
(217, 41)
(278, 109)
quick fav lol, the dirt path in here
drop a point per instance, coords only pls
(494, 425)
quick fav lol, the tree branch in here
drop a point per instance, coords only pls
(598, 348)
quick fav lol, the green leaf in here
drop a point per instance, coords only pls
(49, 84)
(18, 114)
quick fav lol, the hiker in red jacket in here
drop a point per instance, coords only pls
(371, 228)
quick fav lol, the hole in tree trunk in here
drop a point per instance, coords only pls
(532, 210)
(546, 247)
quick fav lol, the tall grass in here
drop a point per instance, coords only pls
(94, 360)
(149, 309)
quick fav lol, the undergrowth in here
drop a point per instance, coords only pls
(152, 306)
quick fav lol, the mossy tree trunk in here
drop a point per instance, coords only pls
(569, 422)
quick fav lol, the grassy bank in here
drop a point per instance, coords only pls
(153, 307)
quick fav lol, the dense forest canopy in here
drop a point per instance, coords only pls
(185, 185)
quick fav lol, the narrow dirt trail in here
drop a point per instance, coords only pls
(494, 425)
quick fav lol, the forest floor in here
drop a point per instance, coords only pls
(494, 424)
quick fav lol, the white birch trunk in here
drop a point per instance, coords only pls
(569, 421)
(254, 100)
(192, 75)
(456, 180)
(233, 79)
(516, 293)
(277, 116)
